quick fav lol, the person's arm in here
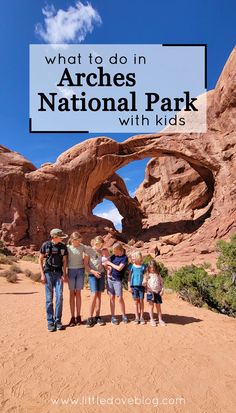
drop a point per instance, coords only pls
(129, 279)
(116, 267)
(144, 283)
(41, 261)
(90, 270)
(86, 261)
(64, 268)
(161, 285)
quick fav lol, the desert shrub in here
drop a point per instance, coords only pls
(15, 268)
(10, 276)
(206, 265)
(196, 286)
(3, 249)
(227, 258)
(28, 273)
(7, 260)
(31, 258)
(35, 277)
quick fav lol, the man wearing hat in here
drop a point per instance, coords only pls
(53, 263)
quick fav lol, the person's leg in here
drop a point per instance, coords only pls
(92, 304)
(49, 299)
(112, 304)
(159, 313)
(79, 285)
(98, 303)
(122, 306)
(136, 303)
(151, 305)
(72, 303)
(141, 305)
(59, 299)
(78, 302)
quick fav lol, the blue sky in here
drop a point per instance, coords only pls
(135, 21)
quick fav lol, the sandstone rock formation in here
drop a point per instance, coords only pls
(171, 191)
(64, 194)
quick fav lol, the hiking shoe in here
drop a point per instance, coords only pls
(142, 321)
(162, 323)
(72, 322)
(51, 327)
(125, 319)
(114, 321)
(59, 325)
(89, 322)
(99, 321)
(78, 320)
(136, 321)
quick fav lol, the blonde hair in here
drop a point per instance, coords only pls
(136, 255)
(75, 235)
(118, 246)
(97, 240)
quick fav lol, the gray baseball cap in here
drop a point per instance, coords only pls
(56, 232)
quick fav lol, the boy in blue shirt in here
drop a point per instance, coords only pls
(118, 262)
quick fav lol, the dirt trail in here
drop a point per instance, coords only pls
(188, 366)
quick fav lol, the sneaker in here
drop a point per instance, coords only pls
(114, 321)
(59, 325)
(125, 319)
(142, 321)
(136, 321)
(162, 323)
(99, 321)
(78, 320)
(153, 323)
(72, 322)
(51, 327)
(89, 322)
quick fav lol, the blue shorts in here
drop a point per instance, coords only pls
(76, 278)
(114, 287)
(154, 297)
(138, 292)
(97, 284)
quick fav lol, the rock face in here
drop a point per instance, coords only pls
(64, 194)
(171, 191)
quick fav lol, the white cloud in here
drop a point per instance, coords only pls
(112, 214)
(67, 26)
(66, 92)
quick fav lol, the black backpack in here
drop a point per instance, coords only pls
(54, 259)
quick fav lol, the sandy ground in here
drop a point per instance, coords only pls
(188, 366)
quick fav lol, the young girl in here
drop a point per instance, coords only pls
(118, 262)
(135, 285)
(76, 262)
(96, 280)
(154, 283)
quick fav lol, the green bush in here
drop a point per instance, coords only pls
(227, 258)
(200, 289)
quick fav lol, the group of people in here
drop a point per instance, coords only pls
(61, 262)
